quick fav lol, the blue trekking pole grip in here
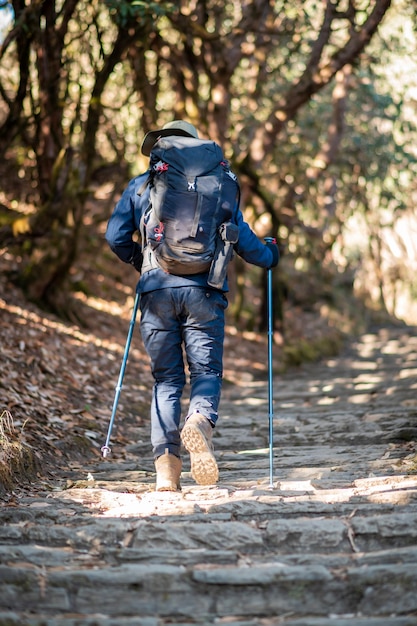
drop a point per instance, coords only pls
(106, 449)
(270, 370)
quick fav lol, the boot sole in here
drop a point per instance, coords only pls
(204, 468)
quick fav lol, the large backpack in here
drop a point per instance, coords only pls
(192, 193)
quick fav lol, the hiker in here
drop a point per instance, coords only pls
(182, 307)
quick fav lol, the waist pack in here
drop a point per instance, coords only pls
(193, 193)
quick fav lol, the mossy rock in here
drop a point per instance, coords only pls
(305, 351)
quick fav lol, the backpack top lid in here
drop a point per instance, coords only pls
(192, 157)
(179, 128)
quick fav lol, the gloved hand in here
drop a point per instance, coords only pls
(275, 252)
(137, 259)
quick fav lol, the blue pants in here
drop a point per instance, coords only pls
(173, 319)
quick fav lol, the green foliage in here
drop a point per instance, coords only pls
(124, 12)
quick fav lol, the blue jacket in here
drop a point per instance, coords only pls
(125, 222)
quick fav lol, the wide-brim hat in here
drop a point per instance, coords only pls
(177, 127)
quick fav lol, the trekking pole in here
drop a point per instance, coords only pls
(106, 449)
(270, 371)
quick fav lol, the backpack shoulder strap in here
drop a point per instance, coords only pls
(146, 182)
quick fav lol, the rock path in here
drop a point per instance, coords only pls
(332, 543)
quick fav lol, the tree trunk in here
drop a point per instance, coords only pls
(49, 238)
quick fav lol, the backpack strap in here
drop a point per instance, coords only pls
(145, 213)
(142, 227)
(147, 181)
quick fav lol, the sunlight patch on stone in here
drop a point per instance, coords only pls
(327, 401)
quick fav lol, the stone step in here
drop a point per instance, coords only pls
(13, 619)
(259, 590)
(236, 523)
(100, 545)
(101, 554)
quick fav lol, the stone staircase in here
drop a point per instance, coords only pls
(333, 542)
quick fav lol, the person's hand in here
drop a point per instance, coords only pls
(137, 261)
(272, 245)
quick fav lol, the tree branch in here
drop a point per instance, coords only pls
(315, 77)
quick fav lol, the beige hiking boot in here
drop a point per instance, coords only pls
(168, 472)
(197, 436)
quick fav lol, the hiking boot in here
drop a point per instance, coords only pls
(168, 472)
(197, 436)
